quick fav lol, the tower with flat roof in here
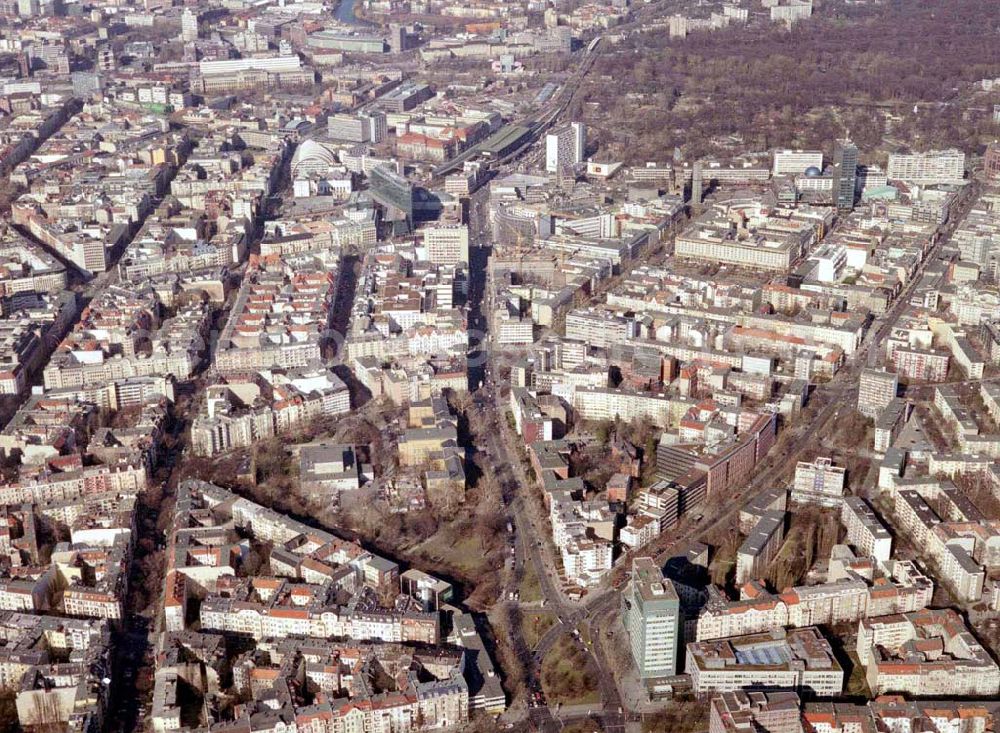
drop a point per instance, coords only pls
(845, 174)
(651, 614)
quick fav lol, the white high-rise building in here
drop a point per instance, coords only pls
(865, 530)
(830, 260)
(369, 126)
(876, 389)
(378, 128)
(565, 146)
(651, 611)
(189, 25)
(447, 244)
(935, 166)
(29, 8)
(796, 162)
(792, 11)
(819, 482)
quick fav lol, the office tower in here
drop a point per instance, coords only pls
(579, 141)
(565, 146)
(189, 26)
(447, 244)
(651, 614)
(845, 173)
(86, 83)
(696, 184)
(378, 128)
(397, 38)
(29, 8)
(348, 128)
(368, 126)
(392, 191)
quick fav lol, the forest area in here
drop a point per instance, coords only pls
(894, 75)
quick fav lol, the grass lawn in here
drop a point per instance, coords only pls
(534, 626)
(856, 683)
(529, 589)
(680, 716)
(566, 676)
(463, 552)
(580, 726)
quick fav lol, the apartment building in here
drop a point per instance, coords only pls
(27, 267)
(280, 318)
(796, 162)
(127, 477)
(598, 328)
(819, 482)
(876, 389)
(924, 169)
(565, 147)
(583, 531)
(639, 530)
(791, 11)
(865, 531)
(854, 590)
(240, 414)
(890, 423)
(57, 665)
(953, 532)
(925, 653)
(531, 423)
(293, 616)
(920, 364)
(605, 403)
(760, 547)
(892, 712)
(258, 621)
